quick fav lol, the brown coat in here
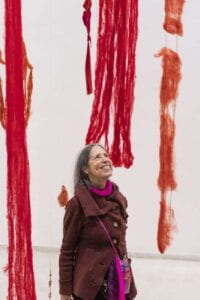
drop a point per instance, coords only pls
(86, 253)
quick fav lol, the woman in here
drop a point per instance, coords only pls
(86, 254)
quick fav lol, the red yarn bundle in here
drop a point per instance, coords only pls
(173, 15)
(171, 77)
(115, 78)
(20, 264)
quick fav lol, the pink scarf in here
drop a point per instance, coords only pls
(102, 192)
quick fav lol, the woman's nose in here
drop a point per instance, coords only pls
(105, 159)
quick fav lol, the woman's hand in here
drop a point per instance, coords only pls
(65, 297)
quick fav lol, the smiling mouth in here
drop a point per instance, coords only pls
(105, 166)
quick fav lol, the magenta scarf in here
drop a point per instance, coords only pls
(102, 192)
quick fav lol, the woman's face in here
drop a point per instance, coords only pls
(99, 165)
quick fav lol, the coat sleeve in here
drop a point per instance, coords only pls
(71, 230)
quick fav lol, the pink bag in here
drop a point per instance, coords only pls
(115, 281)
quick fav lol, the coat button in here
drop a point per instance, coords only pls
(114, 241)
(115, 224)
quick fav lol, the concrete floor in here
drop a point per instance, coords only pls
(156, 279)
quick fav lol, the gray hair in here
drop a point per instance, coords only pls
(80, 177)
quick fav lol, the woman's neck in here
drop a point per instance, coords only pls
(100, 184)
(106, 191)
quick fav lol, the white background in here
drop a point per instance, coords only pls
(56, 45)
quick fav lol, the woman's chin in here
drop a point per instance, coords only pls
(107, 175)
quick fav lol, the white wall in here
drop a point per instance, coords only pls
(56, 44)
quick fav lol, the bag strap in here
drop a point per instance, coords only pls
(107, 234)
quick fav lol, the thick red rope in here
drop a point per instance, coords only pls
(20, 265)
(171, 77)
(115, 78)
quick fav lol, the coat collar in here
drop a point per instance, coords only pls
(89, 205)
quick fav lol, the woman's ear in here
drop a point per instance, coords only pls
(85, 170)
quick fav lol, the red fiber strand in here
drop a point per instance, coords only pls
(2, 108)
(20, 263)
(173, 15)
(171, 77)
(115, 78)
(86, 20)
(27, 83)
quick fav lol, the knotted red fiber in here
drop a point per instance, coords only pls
(171, 77)
(173, 15)
(21, 283)
(86, 20)
(115, 78)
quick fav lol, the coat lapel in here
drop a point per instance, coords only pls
(89, 205)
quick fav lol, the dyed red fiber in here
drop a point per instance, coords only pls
(27, 83)
(173, 15)
(165, 226)
(21, 283)
(2, 108)
(86, 20)
(115, 78)
(63, 196)
(171, 77)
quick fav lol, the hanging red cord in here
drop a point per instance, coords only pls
(86, 20)
(20, 263)
(171, 77)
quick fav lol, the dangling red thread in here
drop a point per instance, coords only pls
(2, 108)
(115, 78)
(173, 15)
(86, 20)
(21, 284)
(171, 77)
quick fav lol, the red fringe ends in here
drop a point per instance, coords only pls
(21, 284)
(171, 65)
(115, 78)
(173, 14)
(165, 225)
(86, 20)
